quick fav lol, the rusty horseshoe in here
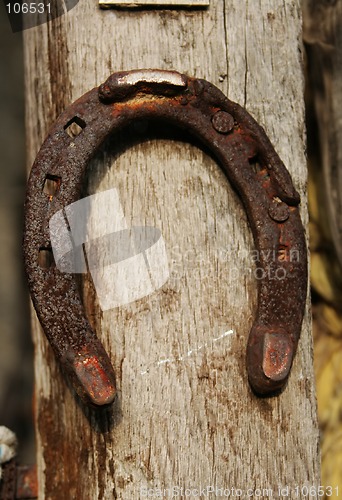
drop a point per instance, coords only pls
(251, 164)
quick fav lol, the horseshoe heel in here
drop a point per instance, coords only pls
(250, 163)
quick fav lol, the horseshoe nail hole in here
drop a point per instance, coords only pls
(52, 184)
(45, 258)
(255, 164)
(282, 253)
(74, 126)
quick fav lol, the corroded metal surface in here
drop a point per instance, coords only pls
(250, 163)
(8, 481)
(27, 482)
(18, 481)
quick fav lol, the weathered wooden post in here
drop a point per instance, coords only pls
(185, 416)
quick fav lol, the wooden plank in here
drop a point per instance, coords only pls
(191, 421)
(153, 3)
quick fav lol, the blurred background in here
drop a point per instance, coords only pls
(323, 66)
(16, 351)
(323, 58)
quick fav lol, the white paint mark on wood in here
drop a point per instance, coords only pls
(187, 355)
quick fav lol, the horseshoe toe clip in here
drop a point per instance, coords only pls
(250, 163)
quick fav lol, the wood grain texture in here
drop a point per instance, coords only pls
(185, 415)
